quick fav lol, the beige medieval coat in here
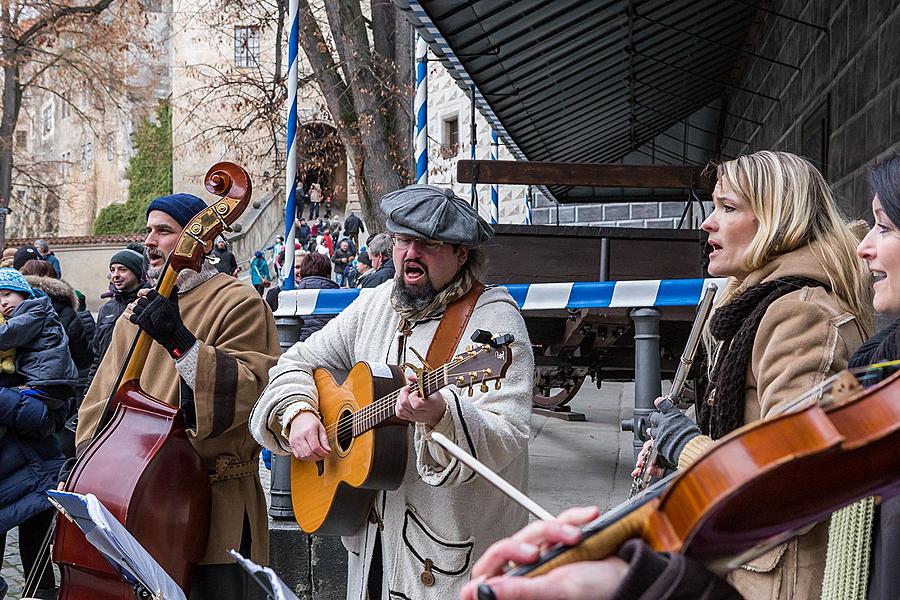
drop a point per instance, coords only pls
(443, 512)
(237, 346)
(804, 337)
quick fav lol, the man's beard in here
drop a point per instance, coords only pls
(153, 273)
(414, 297)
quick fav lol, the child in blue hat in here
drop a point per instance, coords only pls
(34, 403)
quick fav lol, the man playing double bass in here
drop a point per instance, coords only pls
(215, 345)
(422, 538)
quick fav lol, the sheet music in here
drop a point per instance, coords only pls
(275, 588)
(116, 544)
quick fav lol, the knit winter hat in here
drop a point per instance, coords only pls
(181, 207)
(10, 279)
(129, 259)
(24, 254)
(258, 254)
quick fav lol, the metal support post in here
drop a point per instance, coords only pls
(280, 488)
(647, 377)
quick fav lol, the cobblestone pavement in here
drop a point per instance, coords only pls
(12, 566)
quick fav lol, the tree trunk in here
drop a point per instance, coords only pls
(380, 172)
(12, 100)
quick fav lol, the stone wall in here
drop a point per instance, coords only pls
(841, 108)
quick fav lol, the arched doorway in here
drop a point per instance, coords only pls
(322, 160)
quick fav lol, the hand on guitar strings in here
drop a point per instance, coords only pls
(411, 407)
(307, 437)
(589, 580)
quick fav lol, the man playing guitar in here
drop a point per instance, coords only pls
(423, 537)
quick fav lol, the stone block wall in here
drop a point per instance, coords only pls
(840, 107)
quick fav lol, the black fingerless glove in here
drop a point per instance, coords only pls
(160, 318)
(671, 430)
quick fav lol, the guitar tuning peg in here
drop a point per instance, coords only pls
(497, 384)
(471, 391)
(484, 388)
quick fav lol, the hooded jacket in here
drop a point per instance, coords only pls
(65, 303)
(42, 353)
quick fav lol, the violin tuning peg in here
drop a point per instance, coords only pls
(484, 388)
(497, 384)
(471, 391)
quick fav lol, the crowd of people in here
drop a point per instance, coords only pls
(803, 288)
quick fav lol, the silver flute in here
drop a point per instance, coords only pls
(640, 482)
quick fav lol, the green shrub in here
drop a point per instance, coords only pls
(149, 174)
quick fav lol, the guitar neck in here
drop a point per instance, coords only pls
(383, 409)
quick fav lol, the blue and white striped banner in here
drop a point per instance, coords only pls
(532, 296)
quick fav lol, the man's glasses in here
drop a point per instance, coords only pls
(403, 242)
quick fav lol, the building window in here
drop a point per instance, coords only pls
(450, 144)
(21, 138)
(246, 46)
(110, 147)
(87, 156)
(47, 114)
(65, 109)
(21, 195)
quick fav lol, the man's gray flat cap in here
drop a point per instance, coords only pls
(426, 211)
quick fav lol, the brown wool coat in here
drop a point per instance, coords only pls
(804, 337)
(238, 346)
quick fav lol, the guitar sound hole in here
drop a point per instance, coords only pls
(345, 430)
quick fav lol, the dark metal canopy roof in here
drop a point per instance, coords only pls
(592, 80)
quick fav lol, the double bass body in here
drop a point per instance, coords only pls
(143, 468)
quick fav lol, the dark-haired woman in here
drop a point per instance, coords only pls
(864, 539)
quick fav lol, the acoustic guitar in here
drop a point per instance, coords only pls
(369, 444)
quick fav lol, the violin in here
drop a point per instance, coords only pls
(760, 485)
(140, 463)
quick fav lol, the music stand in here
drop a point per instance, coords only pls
(266, 578)
(124, 553)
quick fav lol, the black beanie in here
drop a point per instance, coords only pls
(23, 255)
(129, 259)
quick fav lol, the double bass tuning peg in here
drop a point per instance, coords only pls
(483, 388)
(471, 392)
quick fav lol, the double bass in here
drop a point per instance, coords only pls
(141, 464)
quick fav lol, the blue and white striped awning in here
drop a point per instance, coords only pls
(533, 296)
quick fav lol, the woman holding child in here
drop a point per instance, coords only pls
(34, 402)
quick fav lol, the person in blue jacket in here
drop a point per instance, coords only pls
(259, 272)
(34, 402)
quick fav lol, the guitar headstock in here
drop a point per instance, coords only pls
(479, 364)
(232, 184)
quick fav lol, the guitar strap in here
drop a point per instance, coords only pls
(452, 326)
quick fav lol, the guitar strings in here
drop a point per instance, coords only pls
(340, 427)
(382, 403)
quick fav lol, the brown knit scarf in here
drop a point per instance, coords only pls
(722, 409)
